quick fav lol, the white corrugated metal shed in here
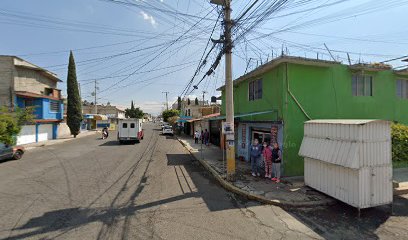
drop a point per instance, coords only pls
(348, 143)
(349, 160)
(360, 188)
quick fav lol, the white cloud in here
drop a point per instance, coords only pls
(149, 18)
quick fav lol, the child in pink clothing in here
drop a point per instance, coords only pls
(267, 156)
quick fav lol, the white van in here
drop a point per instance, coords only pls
(130, 129)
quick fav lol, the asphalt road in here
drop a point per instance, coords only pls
(90, 188)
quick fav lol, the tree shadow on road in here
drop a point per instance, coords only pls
(193, 184)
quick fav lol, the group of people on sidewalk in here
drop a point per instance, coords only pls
(268, 155)
(204, 136)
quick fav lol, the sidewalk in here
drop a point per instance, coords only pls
(400, 177)
(291, 192)
(32, 146)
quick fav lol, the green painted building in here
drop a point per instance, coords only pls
(273, 101)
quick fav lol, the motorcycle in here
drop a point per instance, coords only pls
(105, 134)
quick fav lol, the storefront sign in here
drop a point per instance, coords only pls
(244, 137)
(227, 128)
(274, 134)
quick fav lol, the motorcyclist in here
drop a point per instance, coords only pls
(105, 133)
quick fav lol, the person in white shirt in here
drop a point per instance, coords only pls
(196, 137)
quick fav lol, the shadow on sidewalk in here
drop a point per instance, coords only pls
(341, 221)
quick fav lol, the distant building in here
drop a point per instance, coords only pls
(23, 84)
(107, 116)
(110, 111)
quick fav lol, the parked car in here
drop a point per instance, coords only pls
(164, 124)
(10, 152)
(167, 130)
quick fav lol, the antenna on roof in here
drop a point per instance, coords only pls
(348, 57)
(331, 55)
(282, 53)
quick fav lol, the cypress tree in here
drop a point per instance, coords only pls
(196, 101)
(179, 103)
(74, 109)
(132, 106)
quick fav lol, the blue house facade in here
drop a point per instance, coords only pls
(32, 86)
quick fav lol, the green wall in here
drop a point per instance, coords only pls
(324, 92)
(271, 97)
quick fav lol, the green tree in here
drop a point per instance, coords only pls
(170, 113)
(179, 103)
(133, 112)
(11, 123)
(74, 109)
(196, 101)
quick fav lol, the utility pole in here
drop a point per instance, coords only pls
(96, 107)
(204, 92)
(229, 95)
(229, 100)
(167, 102)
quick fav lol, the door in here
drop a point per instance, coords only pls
(44, 132)
(132, 130)
(26, 135)
(124, 130)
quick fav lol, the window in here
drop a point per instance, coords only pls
(28, 103)
(132, 125)
(402, 88)
(255, 90)
(362, 85)
(188, 112)
(124, 125)
(54, 106)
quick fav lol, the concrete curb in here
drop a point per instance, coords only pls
(230, 187)
(400, 191)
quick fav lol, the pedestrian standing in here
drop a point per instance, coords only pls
(255, 153)
(267, 157)
(202, 137)
(206, 137)
(276, 162)
(196, 137)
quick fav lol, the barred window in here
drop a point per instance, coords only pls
(402, 88)
(362, 85)
(54, 106)
(255, 89)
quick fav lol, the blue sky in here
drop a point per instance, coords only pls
(132, 52)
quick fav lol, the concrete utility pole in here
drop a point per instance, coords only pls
(167, 102)
(96, 107)
(202, 108)
(229, 95)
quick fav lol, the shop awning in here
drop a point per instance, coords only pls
(100, 117)
(204, 117)
(95, 116)
(243, 115)
(184, 119)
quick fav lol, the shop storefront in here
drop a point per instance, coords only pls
(271, 131)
